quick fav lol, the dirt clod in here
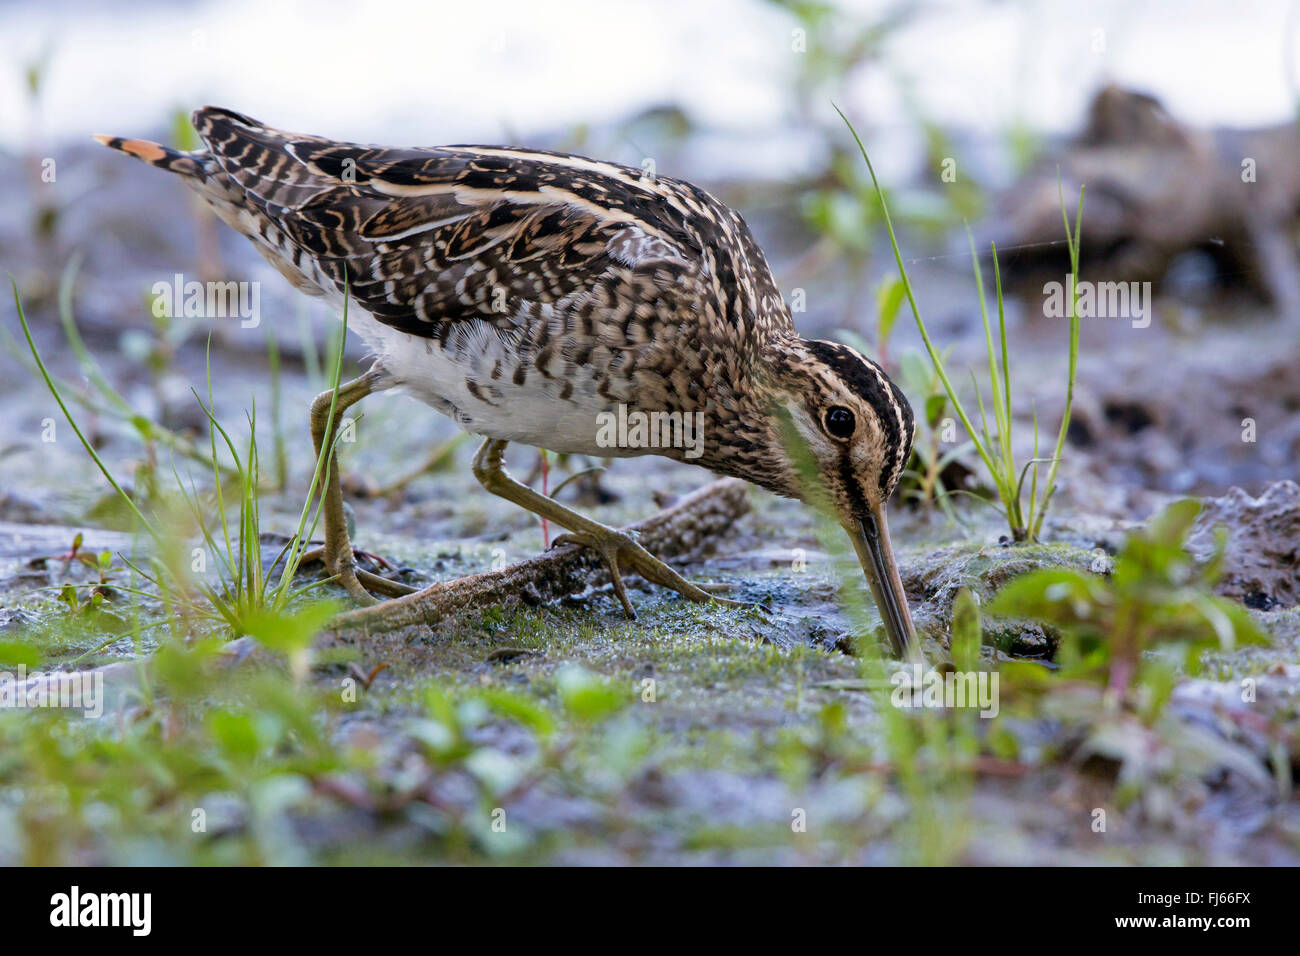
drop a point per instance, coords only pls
(1262, 555)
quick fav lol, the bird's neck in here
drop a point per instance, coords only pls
(743, 435)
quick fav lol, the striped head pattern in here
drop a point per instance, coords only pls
(851, 424)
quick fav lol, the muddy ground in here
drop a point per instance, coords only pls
(755, 716)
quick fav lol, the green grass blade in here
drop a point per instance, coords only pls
(1074, 239)
(90, 450)
(935, 358)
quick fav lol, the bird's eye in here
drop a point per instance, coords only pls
(839, 422)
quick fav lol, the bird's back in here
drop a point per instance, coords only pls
(522, 274)
(424, 235)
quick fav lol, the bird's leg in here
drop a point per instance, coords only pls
(615, 547)
(546, 491)
(337, 554)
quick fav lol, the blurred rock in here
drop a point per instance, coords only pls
(1158, 189)
(1261, 566)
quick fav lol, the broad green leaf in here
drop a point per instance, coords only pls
(288, 631)
(587, 697)
(17, 654)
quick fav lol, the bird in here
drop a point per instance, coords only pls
(526, 293)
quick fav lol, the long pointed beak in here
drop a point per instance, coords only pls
(871, 541)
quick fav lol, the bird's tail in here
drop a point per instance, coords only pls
(155, 154)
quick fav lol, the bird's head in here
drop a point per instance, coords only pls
(847, 433)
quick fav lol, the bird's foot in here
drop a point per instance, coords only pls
(357, 581)
(620, 548)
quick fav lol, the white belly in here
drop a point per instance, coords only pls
(531, 413)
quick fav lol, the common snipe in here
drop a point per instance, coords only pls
(524, 293)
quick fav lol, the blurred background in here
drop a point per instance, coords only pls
(438, 72)
(969, 110)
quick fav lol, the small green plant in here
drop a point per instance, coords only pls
(1142, 624)
(246, 592)
(214, 765)
(1127, 637)
(101, 565)
(1024, 514)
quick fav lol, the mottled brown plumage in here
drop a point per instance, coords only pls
(524, 293)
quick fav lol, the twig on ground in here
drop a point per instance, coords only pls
(674, 532)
